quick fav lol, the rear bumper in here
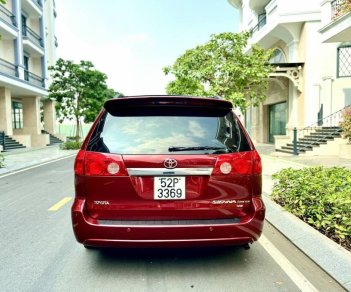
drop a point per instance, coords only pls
(89, 232)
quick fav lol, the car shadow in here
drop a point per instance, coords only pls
(171, 257)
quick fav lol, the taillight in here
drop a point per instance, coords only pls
(79, 163)
(246, 163)
(103, 164)
(257, 164)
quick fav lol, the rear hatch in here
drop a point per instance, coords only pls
(168, 158)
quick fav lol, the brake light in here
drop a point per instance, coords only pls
(245, 163)
(99, 164)
(103, 164)
(257, 163)
(79, 163)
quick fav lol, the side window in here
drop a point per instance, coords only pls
(344, 60)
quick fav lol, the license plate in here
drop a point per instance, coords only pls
(169, 188)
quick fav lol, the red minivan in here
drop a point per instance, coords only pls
(167, 171)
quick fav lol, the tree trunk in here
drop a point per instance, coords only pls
(77, 130)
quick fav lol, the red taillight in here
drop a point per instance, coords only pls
(246, 163)
(103, 164)
(257, 164)
(79, 163)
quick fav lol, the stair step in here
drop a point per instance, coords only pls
(285, 151)
(302, 145)
(299, 149)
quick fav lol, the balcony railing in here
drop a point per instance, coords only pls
(7, 16)
(34, 79)
(38, 3)
(262, 22)
(340, 7)
(8, 68)
(32, 36)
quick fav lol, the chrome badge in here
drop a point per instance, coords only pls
(170, 163)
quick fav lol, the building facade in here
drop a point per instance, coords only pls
(27, 47)
(312, 70)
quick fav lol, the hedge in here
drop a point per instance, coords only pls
(71, 145)
(319, 196)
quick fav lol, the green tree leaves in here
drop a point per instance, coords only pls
(79, 90)
(220, 67)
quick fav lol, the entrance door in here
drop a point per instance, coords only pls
(277, 120)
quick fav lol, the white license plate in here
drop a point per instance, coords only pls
(169, 188)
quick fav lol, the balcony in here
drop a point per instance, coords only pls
(8, 68)
(32, 42)
(33, 8)
(8, 25)
(34, 79)
(281, 20)
(261, 23)
(336, 21)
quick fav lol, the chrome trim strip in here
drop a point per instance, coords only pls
(144, 223)
(169, 172)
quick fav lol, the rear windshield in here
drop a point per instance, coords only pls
(164, 134)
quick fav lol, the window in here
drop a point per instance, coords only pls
(17, 115)
(277, 57)
(24, 25)
(344, 60)
(26, 67)
(157, 134)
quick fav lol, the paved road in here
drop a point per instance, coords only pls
(38, 251)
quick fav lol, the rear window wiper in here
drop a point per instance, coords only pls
(194, 148)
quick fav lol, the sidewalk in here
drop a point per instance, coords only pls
(23, 158)
(334, 259)
(331, 257)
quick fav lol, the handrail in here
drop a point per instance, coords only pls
(8, 68)
(331, 121)
(32, 35)
(33, 78)
(7, 15)
(258, 26)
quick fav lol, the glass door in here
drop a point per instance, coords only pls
(277, 120)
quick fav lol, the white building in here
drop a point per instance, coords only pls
(312, 61)
(27, 48)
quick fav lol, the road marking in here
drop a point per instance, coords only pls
(293, 273)
(59, 204)
(35, 166)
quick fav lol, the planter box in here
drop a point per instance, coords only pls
(345, 151)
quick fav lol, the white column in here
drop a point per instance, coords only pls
(328, 95)
(5, 111)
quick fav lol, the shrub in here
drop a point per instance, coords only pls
(71, 145)
(319, 196)
(2, 159)
(345, 124)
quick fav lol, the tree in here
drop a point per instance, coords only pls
(220, 67)
(79, 90)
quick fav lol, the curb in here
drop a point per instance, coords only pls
(4, 172)
(330, 256)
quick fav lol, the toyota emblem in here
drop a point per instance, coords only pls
(170, 163)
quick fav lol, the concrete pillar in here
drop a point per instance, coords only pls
(49, 116)
(5, 111)
(31, 115)
(31, 121)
